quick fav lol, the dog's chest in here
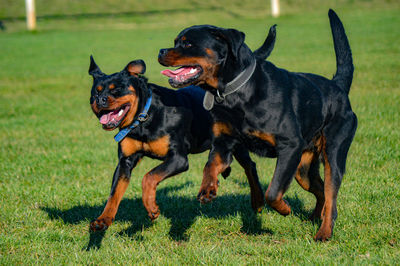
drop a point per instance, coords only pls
(158, 147)
(261, 143)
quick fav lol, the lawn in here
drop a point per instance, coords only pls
(56, 162)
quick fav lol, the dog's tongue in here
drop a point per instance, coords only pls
(105, 119)
(179, 71)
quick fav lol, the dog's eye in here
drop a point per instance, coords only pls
(187, 45)
(115, 90)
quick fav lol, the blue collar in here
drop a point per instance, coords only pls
(141, 118)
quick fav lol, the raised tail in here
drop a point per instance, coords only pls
(265, 50)
(344, 60)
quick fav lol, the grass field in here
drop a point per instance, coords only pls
(56, 162)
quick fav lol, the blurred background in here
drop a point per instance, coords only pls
(132, 28)
(128, 14)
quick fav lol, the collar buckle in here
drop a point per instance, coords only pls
(143, 117)
(220, 97)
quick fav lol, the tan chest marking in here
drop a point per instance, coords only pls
(264, 136)
(158, 147)
(219, 128)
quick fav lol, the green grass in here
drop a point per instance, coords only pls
(56, 162)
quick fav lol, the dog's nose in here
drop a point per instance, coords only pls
(102, 101)
(162, 52)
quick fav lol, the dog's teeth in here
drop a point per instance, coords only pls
(120, 112)
(193, 70)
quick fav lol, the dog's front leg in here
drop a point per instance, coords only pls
(219, 159)
(120, 182)
(173, 165)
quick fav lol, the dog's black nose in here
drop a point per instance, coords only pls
(102, 101)
(162, 52)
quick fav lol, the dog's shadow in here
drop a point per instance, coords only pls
(181, 210)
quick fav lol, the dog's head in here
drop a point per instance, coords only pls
(115, 98)
(205, 55)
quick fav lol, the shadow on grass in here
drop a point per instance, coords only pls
(181, 210)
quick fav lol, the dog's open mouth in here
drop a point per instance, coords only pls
(111, 119)
(184, 75)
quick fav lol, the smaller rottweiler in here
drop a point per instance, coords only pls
(299, 118)
(159, 123)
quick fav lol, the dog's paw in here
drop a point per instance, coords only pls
(100, 224)
(154, 214)
(207, 194)
(153, 211)
(323, 235)
(285, 208)
(281, 206)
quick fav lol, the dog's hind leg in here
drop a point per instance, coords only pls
(338, 136)
(309, 179)
(286, 166)
(257, 198)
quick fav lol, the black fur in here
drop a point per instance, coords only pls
(177, 125)
(296, 117)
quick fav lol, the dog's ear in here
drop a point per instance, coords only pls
(136, 68)
(94, 70)
(232, 37)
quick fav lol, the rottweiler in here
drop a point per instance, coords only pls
(159, 123)
(299, 118)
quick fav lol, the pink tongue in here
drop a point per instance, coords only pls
(179, 71)
(105, 119)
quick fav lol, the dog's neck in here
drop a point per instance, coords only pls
(234, 66)
(142, 112)
(231, 87)
(241, 79)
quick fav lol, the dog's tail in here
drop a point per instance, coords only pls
(344, 60)
(265, 50)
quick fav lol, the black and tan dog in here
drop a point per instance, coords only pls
(159, 123)
(296, 117)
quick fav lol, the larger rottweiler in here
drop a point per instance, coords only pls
(296, 117)
(159, 123)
